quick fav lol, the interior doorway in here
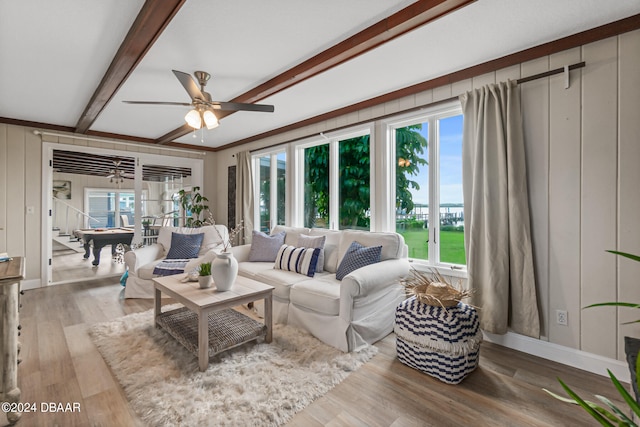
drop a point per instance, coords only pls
(105, 190)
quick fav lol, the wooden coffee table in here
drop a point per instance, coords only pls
(207, 325)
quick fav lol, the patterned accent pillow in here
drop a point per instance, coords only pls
(306, 241)
(264, 248)
(357, 256)
(299, 260)
(185, 245)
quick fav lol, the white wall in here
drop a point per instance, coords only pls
(583, 157)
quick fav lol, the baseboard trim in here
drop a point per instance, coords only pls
(30, 284)
(567, 356)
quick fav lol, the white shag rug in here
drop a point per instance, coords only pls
(255, 384)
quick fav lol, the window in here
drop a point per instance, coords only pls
(428, 190)
(270, 175)
(107, 206)
(336, 173)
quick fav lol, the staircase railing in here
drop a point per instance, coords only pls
(78, 214)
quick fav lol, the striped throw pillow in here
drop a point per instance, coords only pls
(299, 260)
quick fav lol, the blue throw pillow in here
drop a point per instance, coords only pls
(357, 256)
(299, 260)
(185, 246)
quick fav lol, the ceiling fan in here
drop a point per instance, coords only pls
(116, 174)
(203, 107)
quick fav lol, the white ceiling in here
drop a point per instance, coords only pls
(53, 55)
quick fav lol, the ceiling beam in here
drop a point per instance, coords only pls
(401, 22)
(612, 29)
(153, 18)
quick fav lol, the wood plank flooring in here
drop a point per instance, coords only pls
(60, 364)
(70, 266)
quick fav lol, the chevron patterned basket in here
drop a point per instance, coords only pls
(441, 342)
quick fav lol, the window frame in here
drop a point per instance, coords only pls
(333, 140)
(272, 153)
(430, 115)
(89, 191)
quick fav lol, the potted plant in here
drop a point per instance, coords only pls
(608, 414)
(204, 275)
(193, 205)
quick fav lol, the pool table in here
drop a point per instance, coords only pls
(100, 237)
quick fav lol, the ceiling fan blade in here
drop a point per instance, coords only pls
(182, 104)
(189, 84)
(111, 175)
(237, 106)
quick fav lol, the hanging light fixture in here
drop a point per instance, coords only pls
(196, 117)
(193, 119)
(210, 119)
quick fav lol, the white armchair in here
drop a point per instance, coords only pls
(141, 262)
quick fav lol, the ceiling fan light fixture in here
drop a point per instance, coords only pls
(193, 119)
(210, 119)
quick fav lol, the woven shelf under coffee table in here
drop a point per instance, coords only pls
(208, 324)
(227, 329)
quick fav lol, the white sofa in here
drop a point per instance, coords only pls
(344, 314)
(141, 262)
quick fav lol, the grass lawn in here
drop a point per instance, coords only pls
(451, 245)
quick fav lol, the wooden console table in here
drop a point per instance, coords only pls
(11, 273)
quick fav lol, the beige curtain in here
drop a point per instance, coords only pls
(496, 211)
(244, 197)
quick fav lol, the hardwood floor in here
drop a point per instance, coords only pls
(68, 265)
(60, 364)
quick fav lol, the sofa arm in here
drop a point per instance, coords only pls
(241, 253)
(372, 277)
(138, 257)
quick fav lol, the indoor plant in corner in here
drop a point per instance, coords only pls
(609, 414)
(193, 206)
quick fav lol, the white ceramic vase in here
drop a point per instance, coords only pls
(224, 269)
(205, 281)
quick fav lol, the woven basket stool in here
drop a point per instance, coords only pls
(441, 342)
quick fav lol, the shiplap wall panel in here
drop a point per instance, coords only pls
(599, 195)
(564, 200)
(509, 73)
(15, 191)
(483, 80)
(535, 108)
(458, 88)
(578, 182)
(629, 180)
(441, 93)
(3, 187)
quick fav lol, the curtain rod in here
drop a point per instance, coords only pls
(88, 138)
(553, 72)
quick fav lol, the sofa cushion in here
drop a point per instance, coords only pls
(251, 269)
(393, 246)
(301, 260)
(357, 256)
(265, 248)
(281, 281)
(306, 241)
(185, 246)
(331, 245)
(321, 295)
